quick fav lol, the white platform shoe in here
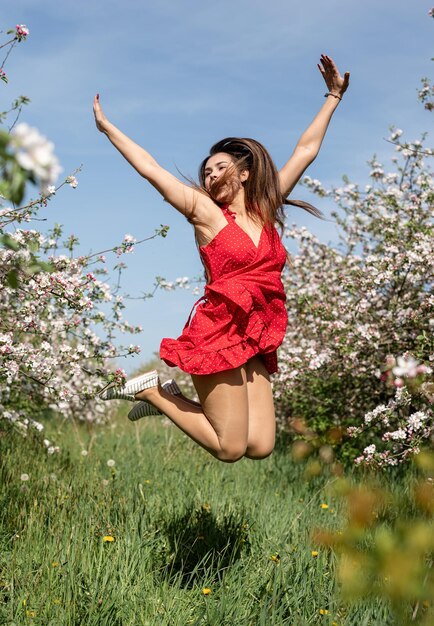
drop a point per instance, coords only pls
(133, 386)
(145, 409)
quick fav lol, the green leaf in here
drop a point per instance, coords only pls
(4, 139)
(46, 266)
(5, 189)
(12, 278)
(17, 184)
(8, 242)
(40, 266)
(33, 246)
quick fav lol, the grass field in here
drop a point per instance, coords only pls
(167, 535)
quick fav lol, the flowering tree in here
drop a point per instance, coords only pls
(56, 342)
(361, 314)
(353, 305)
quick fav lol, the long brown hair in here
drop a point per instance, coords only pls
(264, 200)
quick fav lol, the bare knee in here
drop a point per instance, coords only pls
(231, 453)
(259, 451)
(258, 455)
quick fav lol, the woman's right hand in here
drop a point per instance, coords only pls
(100, 119)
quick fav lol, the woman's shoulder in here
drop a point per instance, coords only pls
(205, 212)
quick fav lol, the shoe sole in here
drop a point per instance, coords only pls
(132, 387)
(145, 409)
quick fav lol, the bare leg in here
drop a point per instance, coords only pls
(220, 423)
(262, 421)
(189, 400)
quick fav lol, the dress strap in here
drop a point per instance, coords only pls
(225, 207)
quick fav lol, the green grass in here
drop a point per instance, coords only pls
(181, 521)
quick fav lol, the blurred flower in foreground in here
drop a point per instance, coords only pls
(385, 547)
(36, 154)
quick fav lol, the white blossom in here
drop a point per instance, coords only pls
(36, 154)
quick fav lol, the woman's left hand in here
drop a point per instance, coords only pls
(336, 84)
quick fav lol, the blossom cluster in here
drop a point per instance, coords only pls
(48, 343)
(401, 427)
(426, 94)
(21, 32)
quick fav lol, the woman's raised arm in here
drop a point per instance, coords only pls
(191, 203)
(310, 142)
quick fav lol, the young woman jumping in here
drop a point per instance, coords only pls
(229, 342)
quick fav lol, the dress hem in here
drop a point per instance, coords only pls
(217, 362)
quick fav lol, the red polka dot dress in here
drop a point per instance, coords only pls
(242, 312)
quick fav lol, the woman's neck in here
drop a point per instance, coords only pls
(238, 205)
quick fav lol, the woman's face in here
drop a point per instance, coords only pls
(215, 167)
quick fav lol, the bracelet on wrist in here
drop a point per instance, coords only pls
(332, 94)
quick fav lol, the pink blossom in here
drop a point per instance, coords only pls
(21, 31)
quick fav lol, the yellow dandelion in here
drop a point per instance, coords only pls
(275, 558)
(146, 482)
(54, 564)
(335, 624)
(30, 613)
(206, 507)
(323, 612)
(206, 591)
(314, 553)
(108, 538)
(324, 506)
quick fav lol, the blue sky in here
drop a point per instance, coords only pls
(179, 75)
